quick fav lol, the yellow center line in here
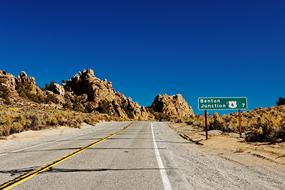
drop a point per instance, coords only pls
(18, 180)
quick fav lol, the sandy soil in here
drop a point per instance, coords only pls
(230, 146)
(36, 135)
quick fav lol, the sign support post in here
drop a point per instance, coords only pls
(206, 124)
(239, 123)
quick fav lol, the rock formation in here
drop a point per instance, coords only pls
(7, 85)
(85, 92)
(103, 97)
(26, 86)
(172, 107)
(56, 88)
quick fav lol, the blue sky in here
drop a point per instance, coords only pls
(196, 48)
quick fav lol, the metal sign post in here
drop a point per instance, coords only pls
(223, 103)
(239, 123)
(206, 124)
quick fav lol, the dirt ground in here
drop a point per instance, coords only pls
(38, 135)
(231, 146)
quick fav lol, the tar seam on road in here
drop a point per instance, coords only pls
(164, 177)
(4, 154)
(18, 180)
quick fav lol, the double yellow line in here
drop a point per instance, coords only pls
(29, 175)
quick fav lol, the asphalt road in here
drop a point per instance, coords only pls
(138, 155)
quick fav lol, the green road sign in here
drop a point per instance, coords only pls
(222, 103)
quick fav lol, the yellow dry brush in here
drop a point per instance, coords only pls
(16, 119)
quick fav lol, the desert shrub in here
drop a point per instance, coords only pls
(36, 117)
(190, 122)
(68, 104)
(280, 133)
(11, 123)
(21, 119)
(52, 98)
(6, 119)
(217, 123)
(8, 101)
(16, 128)
(23, 94)
(281, 101)
(227, 119)
(52, 121)
(89, 107)
(36, 98)
(49, 86)
(74, 123)
(78, 107)
(61, 120)
(90, 120)
(35, 122)
(5, 130)
(265, 131)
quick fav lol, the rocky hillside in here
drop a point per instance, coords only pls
(86, 93)
(174, 108)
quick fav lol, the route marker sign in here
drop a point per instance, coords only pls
(222, 103)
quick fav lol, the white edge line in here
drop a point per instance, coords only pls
(164, 177)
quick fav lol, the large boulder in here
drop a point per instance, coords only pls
(85, 82)
(26, 86)
(7, 85)
(56, 88)
(171, 107)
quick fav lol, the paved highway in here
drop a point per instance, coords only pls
(125, 155)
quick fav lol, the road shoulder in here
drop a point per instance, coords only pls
(229, 146)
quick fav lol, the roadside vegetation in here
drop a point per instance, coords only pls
(281, 101)
(259, 125)
(18, 118)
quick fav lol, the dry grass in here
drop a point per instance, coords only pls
(259, 125)
(32, 116)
